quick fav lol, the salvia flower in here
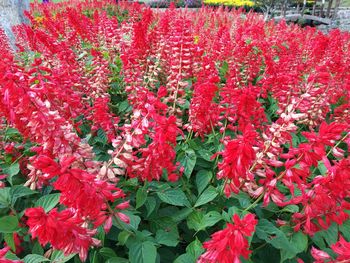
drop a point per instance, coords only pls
(63, 230)
(238, 155)
(229, 244)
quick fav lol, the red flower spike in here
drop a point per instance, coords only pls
(228, 245)
(63, 230)
(238, 155)
(342, 249)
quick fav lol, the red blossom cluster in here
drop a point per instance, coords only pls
(63, 230)
(230, 244)
(341, 248)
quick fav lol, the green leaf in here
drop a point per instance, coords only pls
(243, 199)
(169, 239)
(18, 191)
(5, 197)
(203, 178)
(11, 170)
(188, 160)
(48, 202)
(165, 223)
(174, 197)
(144, 252)
(195, 249)
(194, 220)
(322, 168)
(291, 209)
(205, 154)
(123, 237)
(59, 257)
(184, 258)
(8, 224)
(117, 260)
(223, 71)
(37, 249)
(211, 218)
(123, 106)
(150, 204)
(141, 197)
(181, 214)
(12, 256)
(271, 234)
(8, 237)
(330, 236)
(107, 253)
(33, 258)
(12, 132)
(198, 221)
(208, 195)
(101, 137)
(345, 229)
(299, 242)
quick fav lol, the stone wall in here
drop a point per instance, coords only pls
(342, 21)
(11, 13)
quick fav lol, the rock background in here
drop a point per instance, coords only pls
(11, 13)
(343, 19)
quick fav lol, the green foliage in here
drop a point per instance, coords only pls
(48, 201)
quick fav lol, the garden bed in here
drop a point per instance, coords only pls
(128, 135)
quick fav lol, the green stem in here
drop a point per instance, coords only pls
(189, 136)
(337, 144)
(212, 129)
(223, 136)
(223, 186)
(254, 204)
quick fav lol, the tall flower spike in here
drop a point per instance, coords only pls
(238, 155)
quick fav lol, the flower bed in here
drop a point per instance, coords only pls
(231, 3)
(129, 135)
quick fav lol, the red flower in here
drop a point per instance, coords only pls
(229, 244)
(63, 230)
(160, 154)
(203, 112)
(237, 158)
(103, 119)
(342, 248)
(320, 255)
(327, 201)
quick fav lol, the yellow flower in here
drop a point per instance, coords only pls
(196, 39)
(39, 19)
(230, 2)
